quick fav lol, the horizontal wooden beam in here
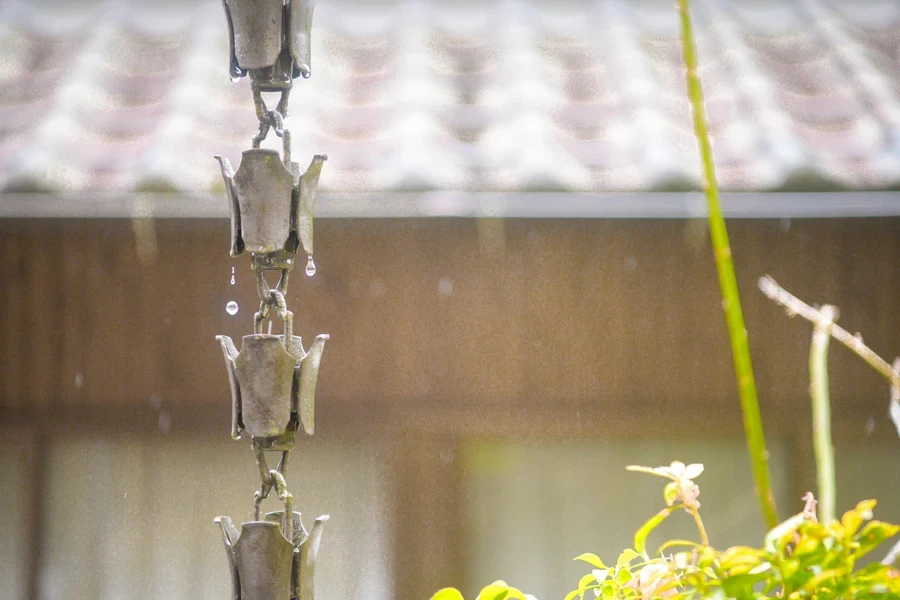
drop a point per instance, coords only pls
(428, 417)
(535, 205)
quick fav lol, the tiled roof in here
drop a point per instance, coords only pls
(521, 95)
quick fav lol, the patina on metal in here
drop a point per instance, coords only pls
(270, 38)
(272, 377)
(267, 565)
(260, 558)
(273, 386)
(271, 204)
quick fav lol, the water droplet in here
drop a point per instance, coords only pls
(445, 286)
(310, 266)
(235, 79)
(165, 422)
(232, 275)
(231, 308)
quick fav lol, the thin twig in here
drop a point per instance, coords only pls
(821, 413)
(795, 306)
(892, 556)
(704, 539)
(731, 301)
(894, 407)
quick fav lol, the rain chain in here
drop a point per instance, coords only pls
(272, 378)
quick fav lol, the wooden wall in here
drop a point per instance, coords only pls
(443, 331)
(570, 313)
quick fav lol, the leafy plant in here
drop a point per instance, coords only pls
(499, 590)
(799, 558)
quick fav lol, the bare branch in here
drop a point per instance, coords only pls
(892, 556)
(795, 306)
(894, 408)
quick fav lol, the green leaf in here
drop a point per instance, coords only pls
(591, 559)
(789, 568)
(515, 594)
(741, 586)
(776, 537)
(640, 536)
(670, 493)
(496, 591)
(807, 545)
(824, 576)
(586, 581)
(659, 471)
(579, 593)
(448, 594)
(853, 519)
(672, 543)
(626, 557)
(873, 534)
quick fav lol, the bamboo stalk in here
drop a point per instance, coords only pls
(734, 317)
(821, 413)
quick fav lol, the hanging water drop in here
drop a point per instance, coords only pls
(310, 266)
(235, 79)
(232, 275)
(231, 308)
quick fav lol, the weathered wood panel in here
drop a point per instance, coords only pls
(521, 312)
(444, 331)
(428, 525)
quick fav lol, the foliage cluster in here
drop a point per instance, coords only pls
(799, 558)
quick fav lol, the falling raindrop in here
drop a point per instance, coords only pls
(310, 266)
(631, 263)
(232, 275)
(164, 422)
(445, 286)
(231, 308)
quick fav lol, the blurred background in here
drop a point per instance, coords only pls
(513, 266)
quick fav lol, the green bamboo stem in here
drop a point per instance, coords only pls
(734, 317)
(821, 412)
